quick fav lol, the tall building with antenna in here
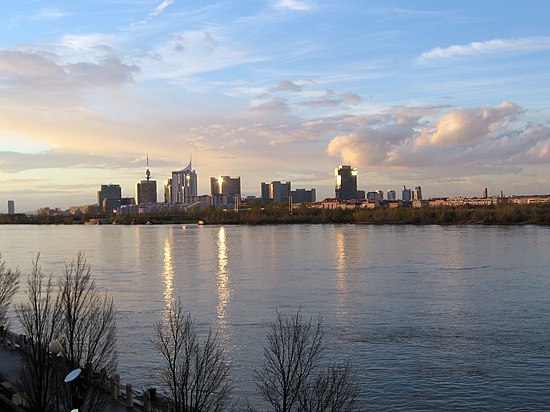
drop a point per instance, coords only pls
(183, 185)
(146, 190)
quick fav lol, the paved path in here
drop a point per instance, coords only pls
(10, 367)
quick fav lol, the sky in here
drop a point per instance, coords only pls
(449, 95)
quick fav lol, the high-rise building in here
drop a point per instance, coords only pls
(276, 192)
(11, 207)
(146, 190)
(346, 183)
(226, 191)
(390, 195)
(109, 198)
(303, 196)
(183, 185)
(406, 194)
(417, 193)
(266, 198)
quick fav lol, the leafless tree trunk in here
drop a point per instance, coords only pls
(41, 322)
(83, 320)
(89, 331)
(291, 378)
(9, 281)
(196, 372)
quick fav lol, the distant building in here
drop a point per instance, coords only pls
(390, 195)
(226, 192)
(84, 210)
(303, 196)
(11, 207)
(146, 190)
(109, 198)
(377, 195)
(183, 185)
(485, 193)
(346, 183)
(417, 193)
(168, 191)
(406, 194)
(276, 192)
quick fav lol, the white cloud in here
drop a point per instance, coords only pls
(485, 139)
(294, 5)
(161, 7)
(496, 46)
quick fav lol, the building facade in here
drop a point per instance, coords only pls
(109, 198)
(11, 207)
(276, 191)
(406, 194)
(226, 192)
(303, 196)
(146, 190)
(346, 183)
(183, 185)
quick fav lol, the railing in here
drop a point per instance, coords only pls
(132, 399)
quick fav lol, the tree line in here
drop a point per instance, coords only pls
(279, 213)
(71, 326)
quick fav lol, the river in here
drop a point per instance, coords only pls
(434, 318)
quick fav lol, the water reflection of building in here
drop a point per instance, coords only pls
(168, 270)
(224, 278)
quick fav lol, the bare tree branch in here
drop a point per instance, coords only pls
(9, 282)
(197, 373)
(291, 378)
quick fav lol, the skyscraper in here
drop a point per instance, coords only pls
(109, 198)
(303, 196)
(184, 185)
(226, 191)
(146, 190)
(11, 207)
(417, 193)
(276, 192)
(346, 183)
(406, 194)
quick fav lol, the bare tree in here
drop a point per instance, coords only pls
(89, 332)
(291, 377)
(9, 282)
(83, 320)
(41, 323)
(197, 373)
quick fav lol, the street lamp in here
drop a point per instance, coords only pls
(56, 349)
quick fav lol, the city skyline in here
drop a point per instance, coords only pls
(451, 97)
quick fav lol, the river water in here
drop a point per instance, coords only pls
(434, 318)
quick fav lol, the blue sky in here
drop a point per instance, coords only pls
(452, 96)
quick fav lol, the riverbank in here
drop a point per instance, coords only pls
(460, 215)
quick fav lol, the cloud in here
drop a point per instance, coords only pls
(155, 12)
(486, 139)
(49, 14)
(286, 86)
(161, 7)
(330, 99)
(38, 71)
(496, 46)
(298, 5)
(12, 162)
(470, 125)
